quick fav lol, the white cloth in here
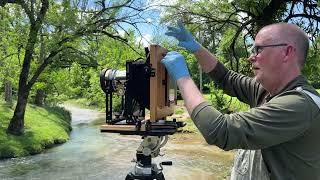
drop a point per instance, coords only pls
(249, 165)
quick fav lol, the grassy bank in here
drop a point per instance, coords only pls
(44, 127)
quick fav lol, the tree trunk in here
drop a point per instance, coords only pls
(39, 99)
(8, 91)
(16, 126)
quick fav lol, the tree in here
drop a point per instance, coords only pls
(80, 22)
(244, 18)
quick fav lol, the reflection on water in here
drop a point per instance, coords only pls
(93, 155)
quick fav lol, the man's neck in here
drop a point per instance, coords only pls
(278, 87)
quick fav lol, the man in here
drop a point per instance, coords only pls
(279, 134)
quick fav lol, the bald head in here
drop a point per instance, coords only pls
(290, 33)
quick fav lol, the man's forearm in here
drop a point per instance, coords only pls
(206, 59)
(190, 93)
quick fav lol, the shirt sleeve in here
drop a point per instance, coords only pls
(246, 89)
(281, 119)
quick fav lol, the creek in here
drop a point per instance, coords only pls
(92, 155)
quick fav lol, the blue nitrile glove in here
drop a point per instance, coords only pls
(184, 37)
(175, 65)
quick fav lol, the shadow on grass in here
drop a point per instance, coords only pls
(63, 117)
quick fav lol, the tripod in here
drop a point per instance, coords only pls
(144, 168)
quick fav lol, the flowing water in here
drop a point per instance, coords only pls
(91, 155)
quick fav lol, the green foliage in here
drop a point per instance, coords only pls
(76, 80)
(73, 38)
(179, 111)
(218, 100)
(45, 127)
(312, 66)
(11, 45)
(254, 6)
(223, 102)
(93, 92)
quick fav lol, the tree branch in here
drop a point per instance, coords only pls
(314, 17)
(4, 2)
(41, 68)
(104, 8)
(234, 40)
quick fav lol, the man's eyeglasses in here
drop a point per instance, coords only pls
(255, 50)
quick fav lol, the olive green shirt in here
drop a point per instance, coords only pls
(286, 127)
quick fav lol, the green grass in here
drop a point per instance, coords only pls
(189, 127)
(235, 104)
(179, 111)
(181, 114)
(44, 127)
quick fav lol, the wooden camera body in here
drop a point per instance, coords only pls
(146, 85)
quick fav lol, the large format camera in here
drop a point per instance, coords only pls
(144, 85)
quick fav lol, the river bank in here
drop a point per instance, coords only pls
(44, 127)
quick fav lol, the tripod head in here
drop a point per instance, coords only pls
(145, 85)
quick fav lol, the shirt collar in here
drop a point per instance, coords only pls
(296, 82)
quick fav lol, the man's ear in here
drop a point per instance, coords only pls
(290, 49)
(289, 52)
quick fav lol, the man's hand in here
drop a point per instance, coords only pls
(184, 37)
(175, 65)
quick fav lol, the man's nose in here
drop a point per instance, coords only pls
(252, 58)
